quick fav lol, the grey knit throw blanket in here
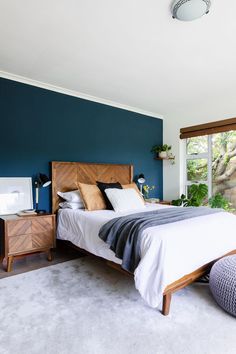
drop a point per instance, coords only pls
(124, 233)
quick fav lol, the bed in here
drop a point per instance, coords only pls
(182, 252)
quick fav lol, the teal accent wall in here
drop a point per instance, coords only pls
(38, 126)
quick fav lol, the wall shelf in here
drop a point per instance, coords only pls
(164, 158)
(171, 159)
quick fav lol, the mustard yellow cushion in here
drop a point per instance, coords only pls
(92, 197)
(134, 186)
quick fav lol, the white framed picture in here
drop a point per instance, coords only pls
(15, 194)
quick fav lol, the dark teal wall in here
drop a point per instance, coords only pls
(38, 126)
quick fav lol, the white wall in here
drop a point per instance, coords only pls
(173, 174)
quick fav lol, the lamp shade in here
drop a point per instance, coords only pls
(141, 179)
(43, 180)
(189, 10)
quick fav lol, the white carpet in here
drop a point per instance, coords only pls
(84, 307)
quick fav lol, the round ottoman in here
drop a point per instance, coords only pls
(223, 283)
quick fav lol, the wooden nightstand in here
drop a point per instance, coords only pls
(164, 202)
(22, 235)
(157, 201)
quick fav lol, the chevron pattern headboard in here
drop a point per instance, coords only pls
(66, 175)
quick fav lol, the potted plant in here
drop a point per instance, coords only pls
(161, 150)
(218, 201)
(197, 196)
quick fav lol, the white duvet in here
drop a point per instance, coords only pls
(168, 252)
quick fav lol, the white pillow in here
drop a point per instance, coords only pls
(72, 196)
(124, 199)
(70, 205)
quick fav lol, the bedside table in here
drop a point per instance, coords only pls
(157, 201)
(164, 202)
(22, 235)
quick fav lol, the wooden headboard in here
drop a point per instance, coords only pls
(66, 175)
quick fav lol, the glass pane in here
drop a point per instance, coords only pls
(224, 165)
(197, 145)
(188, 187)
(197, 170)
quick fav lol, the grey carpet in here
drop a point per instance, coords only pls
(84, 307)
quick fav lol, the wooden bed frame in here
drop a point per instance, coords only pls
(65, 177)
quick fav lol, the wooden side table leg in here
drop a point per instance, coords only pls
(9, 263)
(2, 257)
(49, 257)
(166, 304)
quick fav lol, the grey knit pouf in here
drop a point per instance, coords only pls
(223, 283)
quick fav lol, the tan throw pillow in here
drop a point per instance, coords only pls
(92, 197)
(134, 186)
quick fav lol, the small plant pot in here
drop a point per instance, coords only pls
(163, 154)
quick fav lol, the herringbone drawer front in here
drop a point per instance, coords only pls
(23, 227)
(19, 227)
(42, 224)
(44, 239)
(30, 234)
(19, 244)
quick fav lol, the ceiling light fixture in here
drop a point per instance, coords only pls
(189, 10)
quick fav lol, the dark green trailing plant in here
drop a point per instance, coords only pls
(197, 195)
(182, 201)
(158, 148)
(218, 201)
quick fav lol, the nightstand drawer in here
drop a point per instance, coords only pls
(23, 235)
(19, 244)
(42, 224)
(43, 239)
(19, 227)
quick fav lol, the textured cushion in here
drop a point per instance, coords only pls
(223, 283)
(102, 186)
(124, 199)
(92, 197)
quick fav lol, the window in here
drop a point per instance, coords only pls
(197, 162)
(211, 159)
(224, 165)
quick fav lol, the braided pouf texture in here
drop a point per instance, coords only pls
(223, 283)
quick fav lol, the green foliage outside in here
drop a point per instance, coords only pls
(218, 201)
(223, 165)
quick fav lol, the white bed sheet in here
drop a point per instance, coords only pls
(168, 252)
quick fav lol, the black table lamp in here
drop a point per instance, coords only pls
(40, 181)
(141, 181)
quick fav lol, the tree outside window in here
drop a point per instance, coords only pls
(211, 159)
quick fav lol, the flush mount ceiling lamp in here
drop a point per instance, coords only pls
(189, 10)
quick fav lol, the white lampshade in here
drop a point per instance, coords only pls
(189, 10)
(141, 180)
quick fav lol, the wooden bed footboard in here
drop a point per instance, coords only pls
(186, 280)
(170, 289)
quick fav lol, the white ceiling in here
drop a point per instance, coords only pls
(128, 51)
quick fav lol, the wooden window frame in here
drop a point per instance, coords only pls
(200, 130)
(208, 128)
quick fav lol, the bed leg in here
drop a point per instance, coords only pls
(166, 304)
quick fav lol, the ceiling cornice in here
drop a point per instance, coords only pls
(28, 81)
